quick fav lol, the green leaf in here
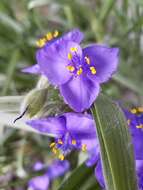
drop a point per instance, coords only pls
(115, 144)
(78, 178)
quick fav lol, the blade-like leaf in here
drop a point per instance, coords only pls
(78, 178)
(115, 144)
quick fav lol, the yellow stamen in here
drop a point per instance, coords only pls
(134, 110)
(69, 56)
(70, 68)
(49, 36)
(139, 126)
(140, 109)
(128, 121)
(52, 144)
(93, 70)
(41, 42)
(55, 34)
(73, 49)
(61, 157)
(60, 141)
(79, 72)
(54, 150)
(84, 147)
(73, 142)
(87, 59)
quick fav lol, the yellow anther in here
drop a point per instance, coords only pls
(41, 42)
(61, 157)
(55, 34)
(134, 110)
(60, 141)
(52, 144)
(70, 68)
(73, 142)
(93, 70)
(79, 72)
(87, 59)
(69, 56)
(139, 126)
(73, 48)
(54, 150)
(140, 109)
(84, 147)
(49, 36)
(128, 121)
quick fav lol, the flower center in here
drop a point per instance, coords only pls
(48, 37)
(62, 146)
(77, 66)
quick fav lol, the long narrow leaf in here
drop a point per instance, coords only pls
(115, 144)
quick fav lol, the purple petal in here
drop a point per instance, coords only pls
(93, 152)
(80, 126)
(54, 59)
(137, 140)
(58, 168)
(139, 169)
(35, 69)
(79, 93)
(104, 59)
(39, 183)
(99, 174)
(74, 35)
(52, 125)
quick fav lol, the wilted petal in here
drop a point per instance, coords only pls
(104, 59)
(53, 61)
(51, 125)
(58, 168)
(35, 69)
(79, 93)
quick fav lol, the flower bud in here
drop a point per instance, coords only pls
(34, 101)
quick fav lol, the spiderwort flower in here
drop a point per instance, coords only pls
(135, 123)
(71, 131)
(77, 72)
(56, 169)
(49, 39)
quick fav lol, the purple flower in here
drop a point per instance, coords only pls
(71, 131)
(56, 169)
(77, 72)
(135, 122)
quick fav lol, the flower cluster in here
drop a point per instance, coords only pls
(78, 73)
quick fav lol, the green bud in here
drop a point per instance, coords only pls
(34, 101)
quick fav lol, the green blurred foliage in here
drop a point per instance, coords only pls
(117, 23)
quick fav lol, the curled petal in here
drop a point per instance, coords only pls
(79, 93)
(51, 125)
(104, 59)
(53, 61)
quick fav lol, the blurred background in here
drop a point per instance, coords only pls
(116, 23)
